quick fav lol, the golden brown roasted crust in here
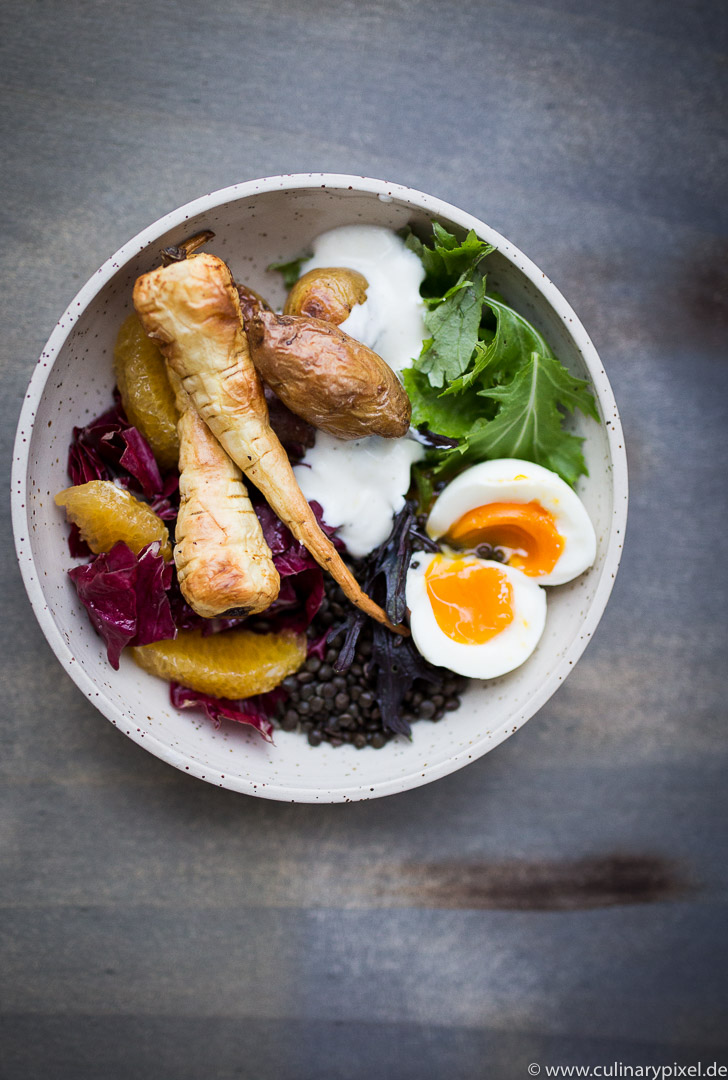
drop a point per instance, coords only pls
(192, 310)
(328, 293)
(328, 378)
(223, 562)
(250, 302)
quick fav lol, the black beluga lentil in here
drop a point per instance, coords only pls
(375, 685)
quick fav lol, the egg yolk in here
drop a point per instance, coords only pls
(471, 603)
(526, 531)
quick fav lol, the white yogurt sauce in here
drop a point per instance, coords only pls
(361, 484)
(391, 321)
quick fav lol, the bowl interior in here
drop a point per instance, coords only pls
(251, 232)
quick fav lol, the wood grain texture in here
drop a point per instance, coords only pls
(154, 926)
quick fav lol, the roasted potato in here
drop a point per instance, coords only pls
(323, 375)
(329, 294)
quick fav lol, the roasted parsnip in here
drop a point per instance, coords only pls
(192, 310)
(224, 565)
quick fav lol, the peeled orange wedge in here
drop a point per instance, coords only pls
(106, 514)
(145, 391)
(234, 664)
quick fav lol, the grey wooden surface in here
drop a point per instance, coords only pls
(561, 900)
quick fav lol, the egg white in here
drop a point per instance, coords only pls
(513, 480)
(504, 652)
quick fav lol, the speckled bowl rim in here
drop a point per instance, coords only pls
(436, 208)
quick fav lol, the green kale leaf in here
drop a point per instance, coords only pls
(499, 359)
(485, 375)
(529, 421)
(448, 258)
(452, 324)
(291, 270)
(455, 417)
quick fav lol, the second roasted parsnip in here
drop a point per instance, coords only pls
(224, 565)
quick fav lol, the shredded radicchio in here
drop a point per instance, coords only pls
(298, 601)
(166, 503)
(254, 711)
(110, 448)
(125, 596)
(302, 581)
(318, 646)
(77, 546)
(136, 599)
(301, 591)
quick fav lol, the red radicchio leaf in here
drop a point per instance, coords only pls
(108, 446)
(319, 646)
(254, 711)
(124, 595)
(106, 589)
(330, 530)
(84, 463)
(313, 584)
(84, 460)
(298, 601)
(302, 583)
(293, 561)
(185, 618)
(77, 546)
(134, 454)
(277, 536)
(154, 577)
(287, 598)
(166, 503)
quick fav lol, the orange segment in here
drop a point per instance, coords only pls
(145, 391)
(106, 514)
(526, 531)
(471, 602)
(235, 664)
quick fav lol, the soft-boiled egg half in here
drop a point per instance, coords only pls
(538, 523)
(481, 616)
(474, 616)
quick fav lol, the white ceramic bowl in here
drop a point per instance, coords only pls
(256, 223)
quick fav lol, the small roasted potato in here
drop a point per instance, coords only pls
(323, 375)
(329, 294)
